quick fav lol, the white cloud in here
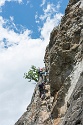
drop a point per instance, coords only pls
(50, 10)
(37, 18)
(58, 6)
(49, 25)
(11, 18)
(11, 36)
(2, 2)
(51, 18)
(43, 3)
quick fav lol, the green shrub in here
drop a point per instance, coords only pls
(32, 74)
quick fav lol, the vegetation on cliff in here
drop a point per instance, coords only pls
(32, 74)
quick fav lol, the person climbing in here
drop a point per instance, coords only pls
(42, 90)
(41, 72)
(38, 70)
(45, 73)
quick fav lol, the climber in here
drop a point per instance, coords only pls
(45, 73)
(45, 76)
(42, 89)
(41, 73)
(38, 70)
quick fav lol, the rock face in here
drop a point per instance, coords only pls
(74, 115)
(63, 104)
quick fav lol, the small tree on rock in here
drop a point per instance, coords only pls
(32, 74)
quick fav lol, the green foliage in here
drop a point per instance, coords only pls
(32, 74)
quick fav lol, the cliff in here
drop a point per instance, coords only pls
(63, 104)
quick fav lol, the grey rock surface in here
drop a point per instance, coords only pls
(74, 114)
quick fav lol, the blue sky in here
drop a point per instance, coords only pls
(26, 15)
(25, 27)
